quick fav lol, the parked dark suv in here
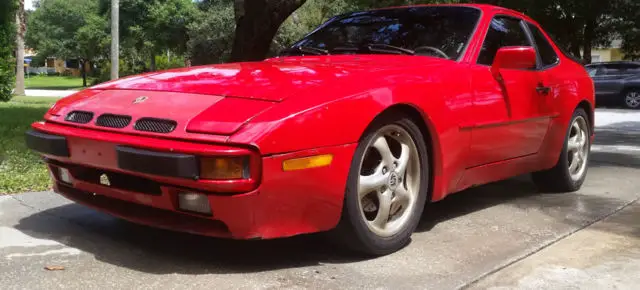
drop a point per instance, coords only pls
(617, 83)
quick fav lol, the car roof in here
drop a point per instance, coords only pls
(482, 7)
(614, 62)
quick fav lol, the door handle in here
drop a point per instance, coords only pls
(541, 89)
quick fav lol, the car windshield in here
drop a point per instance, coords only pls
(441, 31)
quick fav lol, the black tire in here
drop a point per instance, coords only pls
(352, 232)
(558, 179)
(625, 103)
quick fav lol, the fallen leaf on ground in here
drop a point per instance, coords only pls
(54, 268)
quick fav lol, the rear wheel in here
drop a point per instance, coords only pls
(632, 99)
(387, 188)
(569, 173)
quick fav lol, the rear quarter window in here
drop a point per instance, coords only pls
(548, 55)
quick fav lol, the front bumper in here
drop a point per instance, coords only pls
(277, 203)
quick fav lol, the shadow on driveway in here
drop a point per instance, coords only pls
(158, 251)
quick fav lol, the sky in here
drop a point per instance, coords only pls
(28, 4)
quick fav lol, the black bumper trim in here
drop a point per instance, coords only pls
(158, 163)
(47, 143)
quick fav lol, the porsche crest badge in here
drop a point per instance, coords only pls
(104, 180)
(140, 99)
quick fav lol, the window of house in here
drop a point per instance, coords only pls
(72, 63)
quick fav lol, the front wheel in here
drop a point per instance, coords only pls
(386, 190)
(569, 173)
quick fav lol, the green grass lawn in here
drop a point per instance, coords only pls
(20, 169)
(54, 83)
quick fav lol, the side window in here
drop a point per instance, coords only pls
(592, 70)
(504, 31)
(547, 54)
(613, 69)
(632, 69)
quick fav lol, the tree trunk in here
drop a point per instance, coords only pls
(83, 71)
(589, 33)
(575, 49)
(20, 23)
(153, 62)
(115, 38)
(257, 22)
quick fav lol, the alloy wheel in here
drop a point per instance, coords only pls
(389, 181)
(578, 148)
(632, 100)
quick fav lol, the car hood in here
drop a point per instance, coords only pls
(221, 99)
(273, 79)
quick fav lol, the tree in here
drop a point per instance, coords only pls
(628, 26)
(69, 29)
(211, 37)
(257, 22)
(151, 27)
(21, 28)
(7, 42)
(169, 20)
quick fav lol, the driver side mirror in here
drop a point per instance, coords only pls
(514, 57)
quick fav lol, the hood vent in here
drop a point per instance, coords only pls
(80, 117)
(113, 121)
(155, 125)
(146, 124)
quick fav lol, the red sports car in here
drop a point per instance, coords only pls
(350, 131)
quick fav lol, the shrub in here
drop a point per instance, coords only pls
(7, 42)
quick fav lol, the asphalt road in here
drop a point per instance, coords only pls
(479, 239)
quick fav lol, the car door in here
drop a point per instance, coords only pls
(511, 118)
(610, 82)
(597, 73)
(547, 67)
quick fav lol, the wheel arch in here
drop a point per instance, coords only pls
(586, 106)
(422, 120)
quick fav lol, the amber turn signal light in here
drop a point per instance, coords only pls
(307, 162)
(224, 168)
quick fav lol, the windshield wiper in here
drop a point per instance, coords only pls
(307, 49)
(386, 47)
(375, 47)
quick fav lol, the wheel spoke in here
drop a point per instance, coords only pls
(581, 156)
(574, 162)
(402, 200)
(574, 143)
(382, 146)
(403, 196)
(403, 161)
(576, 128)
(371, 183)
(383, 210)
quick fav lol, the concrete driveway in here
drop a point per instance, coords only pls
(504, 235)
